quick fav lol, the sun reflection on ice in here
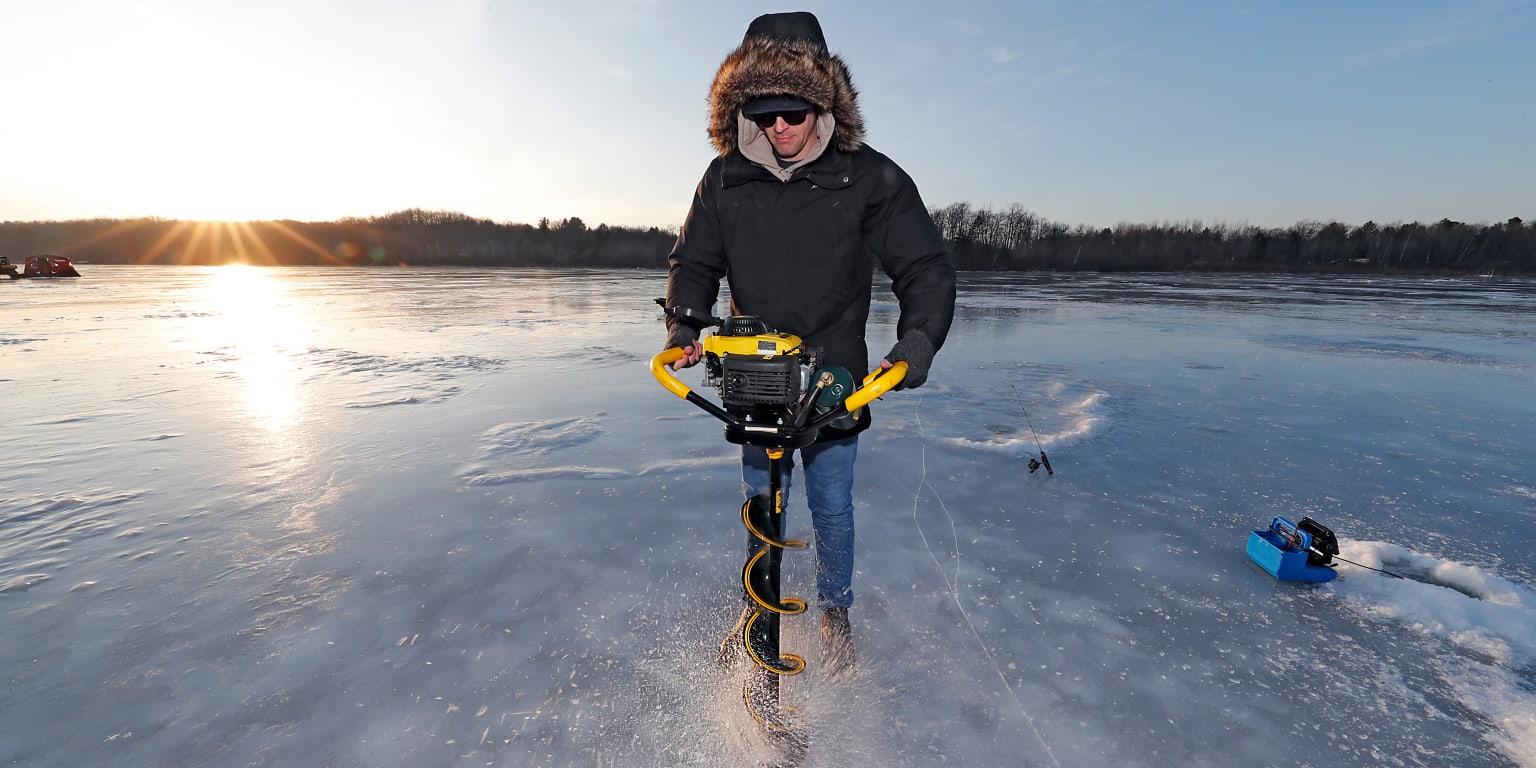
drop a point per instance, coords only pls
(259, 327)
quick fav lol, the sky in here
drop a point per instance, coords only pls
(1096, 113)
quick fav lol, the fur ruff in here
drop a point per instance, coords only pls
(767, 67)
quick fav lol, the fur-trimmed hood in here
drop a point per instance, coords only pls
(784, 53)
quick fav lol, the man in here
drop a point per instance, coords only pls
(795, 212)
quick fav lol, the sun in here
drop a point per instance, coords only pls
(213, 243)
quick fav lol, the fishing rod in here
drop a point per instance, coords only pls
(1044, 460)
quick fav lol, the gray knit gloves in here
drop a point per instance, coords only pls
(681, 335)
(917, 352)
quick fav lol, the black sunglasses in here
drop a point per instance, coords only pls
(791, 117)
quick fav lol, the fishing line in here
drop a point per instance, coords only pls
(1034, 464)
(953, 584)
(1368, 568)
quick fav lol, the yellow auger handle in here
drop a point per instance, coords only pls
(662, 370)
(877, 383)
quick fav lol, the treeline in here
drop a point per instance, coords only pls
(413, 237)
(980, 238)
(1018, 239)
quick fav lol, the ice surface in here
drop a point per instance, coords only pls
(412, 518)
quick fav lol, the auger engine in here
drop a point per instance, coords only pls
(752, 366)
(772, 384)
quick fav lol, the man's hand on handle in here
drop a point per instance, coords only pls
(916, 351)
(688, 339)
(691, 355)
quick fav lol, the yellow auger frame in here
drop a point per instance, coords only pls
(877, 383)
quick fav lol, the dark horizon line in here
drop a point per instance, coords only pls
(545, 220)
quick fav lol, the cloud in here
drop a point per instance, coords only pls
(1004, 55)
(968, 27)
(1405, 49)
(1441, 34)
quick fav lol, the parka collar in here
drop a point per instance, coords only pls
(833, 170)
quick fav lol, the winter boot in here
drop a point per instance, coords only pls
(837, 640)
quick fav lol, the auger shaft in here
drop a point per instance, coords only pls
(764, 519)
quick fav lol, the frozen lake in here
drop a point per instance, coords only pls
(335, 517)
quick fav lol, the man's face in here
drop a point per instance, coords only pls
(791, 142)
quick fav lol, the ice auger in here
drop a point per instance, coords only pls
(776, 394)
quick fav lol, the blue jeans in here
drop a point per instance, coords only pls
(829, 494)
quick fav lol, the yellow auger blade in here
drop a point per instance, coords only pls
(787, 664)
(754, 528)
(788, 606)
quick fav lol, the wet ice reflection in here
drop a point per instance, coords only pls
(257, 328)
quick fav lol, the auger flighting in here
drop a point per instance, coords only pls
(775, 394)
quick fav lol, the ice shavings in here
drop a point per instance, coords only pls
(1493, 619)
(1462, 603)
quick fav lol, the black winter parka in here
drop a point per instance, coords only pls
(801, 254)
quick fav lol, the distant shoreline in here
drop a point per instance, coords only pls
(1010, 240)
